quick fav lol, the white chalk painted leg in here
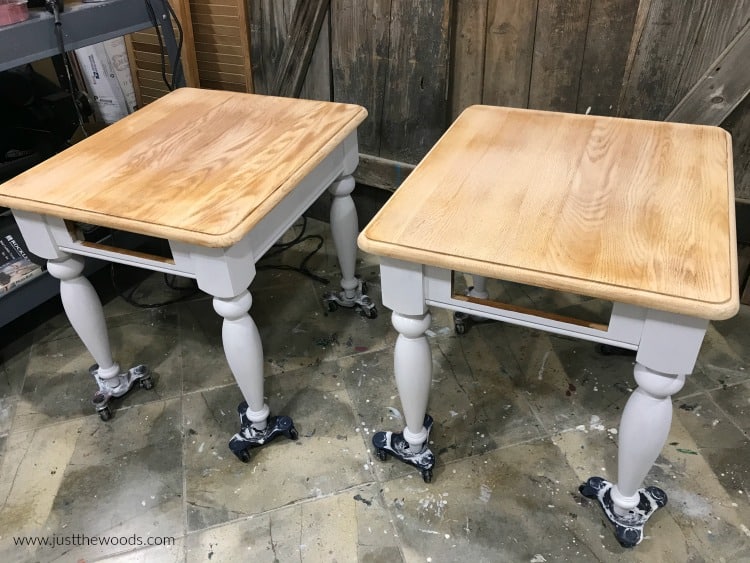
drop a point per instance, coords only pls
(344, 230)
(86, 315)
(478, 290)
(644, 427)
(412, 364)
(668, 350)
(244, 353)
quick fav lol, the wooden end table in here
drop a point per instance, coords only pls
(219, 175)
(635, 212)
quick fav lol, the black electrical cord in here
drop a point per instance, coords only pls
(176, 67)
(54, 7)
(176, 63)
(276, 249)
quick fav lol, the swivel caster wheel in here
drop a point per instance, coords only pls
(427, 475)
(332, 306)
(381, 454)
(105, 413)
(243, 456)
(292, 434)
(147, 382)
(371, 313)
(460, 328)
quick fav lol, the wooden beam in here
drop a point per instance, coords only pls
(721, 88)
(381, 173)
(187, 56)
(306, 23)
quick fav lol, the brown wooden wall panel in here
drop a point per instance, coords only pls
(359, 58)
(558, 54)
(610, 28)
(270, 20)
(509, 52)
(467, 60)
(415, 105)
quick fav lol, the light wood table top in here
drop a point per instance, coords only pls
(632, 211)
(197, 166)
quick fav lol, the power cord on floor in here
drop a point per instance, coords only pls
(192, 290)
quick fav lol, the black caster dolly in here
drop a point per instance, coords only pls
(249, 437)
(360, 300)
(628, 528)
(393, 443)
(138, 374)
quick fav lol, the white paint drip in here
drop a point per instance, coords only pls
(745, 530)
(544, 362)
(538, 558)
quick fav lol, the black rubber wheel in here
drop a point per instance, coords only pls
(364, 288)
(332, 306)
(293, 434)
(427, 475)
(381, 454)
(460, 328)
(243, 456)
(105, 414)
(147, 382)
(371, 313)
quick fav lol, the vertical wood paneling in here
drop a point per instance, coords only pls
(269, 29)
(415, 108)
(359, 59)
(467, 64)
(558, 54)
(509, 52)
(317, 85)
(609, 31)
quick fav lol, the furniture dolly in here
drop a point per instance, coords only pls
(221, 176)
(637, 213)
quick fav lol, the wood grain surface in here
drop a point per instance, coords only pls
(198, 166)
(633, 211)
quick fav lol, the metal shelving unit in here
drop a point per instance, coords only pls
(82, 24)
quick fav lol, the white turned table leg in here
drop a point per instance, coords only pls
(412, 365)
(667, 352)
(85, 313)
(479, 289)
(244, 353)
(344, 230)
(644, 428)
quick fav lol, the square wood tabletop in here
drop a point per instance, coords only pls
(198, 166)
(626, 210)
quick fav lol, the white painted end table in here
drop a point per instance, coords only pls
(634, 212)
(221, 176)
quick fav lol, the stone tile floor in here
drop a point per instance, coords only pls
(522, 418)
